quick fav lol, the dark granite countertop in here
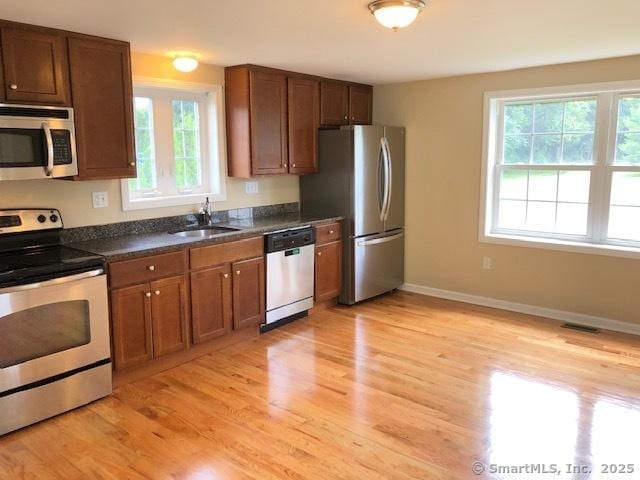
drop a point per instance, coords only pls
(116, 248)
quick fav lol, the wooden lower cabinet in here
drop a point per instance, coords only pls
(211, 313)
(328, 271)
(169, 315)
(248, 293)
(149, 320)
(131, 323)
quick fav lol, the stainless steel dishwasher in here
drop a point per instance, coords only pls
(290, 275)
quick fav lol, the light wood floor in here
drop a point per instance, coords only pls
(401, 387)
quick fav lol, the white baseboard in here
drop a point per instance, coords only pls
(571, 317)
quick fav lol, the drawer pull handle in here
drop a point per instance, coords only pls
(237, 272)
(148, 294)
(157, 292)
(151, 268)
(226, 275)
(13, 86)
(330, 232)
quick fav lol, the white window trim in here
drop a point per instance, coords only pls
(492, 101)
(215, 143)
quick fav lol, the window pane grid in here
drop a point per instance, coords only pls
(145, 149)
(186, 137)
(549, 133)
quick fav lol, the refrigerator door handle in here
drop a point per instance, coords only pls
(376, 241)
(386, 155)
(381, 188)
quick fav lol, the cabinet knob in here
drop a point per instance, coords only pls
(148, 294)
(157, 292)
(319, 254)
(151, 268)
(330, 232)
(285, 165)
(226, 275)
(346, 117)
(237, 272)
(133, 164)
(13, 86)
(294, 165)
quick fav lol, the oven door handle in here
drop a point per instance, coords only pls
(53, 282)
(47, 135)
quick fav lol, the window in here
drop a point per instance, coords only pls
(562, 168)
(179, 146)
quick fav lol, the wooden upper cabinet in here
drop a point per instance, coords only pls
(268, 101)
(103, 107)
(256, 120)
(248, 293)
(304, 120)
(360, 104)
(334, 103)
(35, 65)
(211, 312)
(169, 315)
(131, 321)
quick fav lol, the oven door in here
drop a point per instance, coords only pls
(37, 147)
(52, 327)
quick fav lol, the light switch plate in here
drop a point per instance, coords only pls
(100, 199)
(251, 187)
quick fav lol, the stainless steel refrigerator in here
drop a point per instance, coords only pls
(362, 178)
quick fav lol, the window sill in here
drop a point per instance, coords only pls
(168, 201)
(562, 245)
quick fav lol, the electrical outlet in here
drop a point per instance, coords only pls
(251, 187)
(100, 199)
(487, 263)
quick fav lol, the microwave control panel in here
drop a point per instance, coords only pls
(62, 154)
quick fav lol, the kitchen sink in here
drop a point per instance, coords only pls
(204, 232)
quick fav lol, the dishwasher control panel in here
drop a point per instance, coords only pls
(277, 242)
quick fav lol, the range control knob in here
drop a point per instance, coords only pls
(53, 218)
(42, 218)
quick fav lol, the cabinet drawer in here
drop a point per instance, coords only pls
(213, 255)
(144, 269)
(328, 233)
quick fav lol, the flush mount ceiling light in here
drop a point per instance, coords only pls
(396, 14)
(185, 63)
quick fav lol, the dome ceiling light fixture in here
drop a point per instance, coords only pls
(185, 62)
(396, 14)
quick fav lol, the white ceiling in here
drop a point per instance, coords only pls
(340, 38)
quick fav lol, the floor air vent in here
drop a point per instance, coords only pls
(581, 328)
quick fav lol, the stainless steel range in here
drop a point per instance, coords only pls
(54, 322)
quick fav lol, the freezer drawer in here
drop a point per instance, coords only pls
(378, 264)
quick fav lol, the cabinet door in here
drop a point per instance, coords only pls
(102, 102)
(248, 293)
(304, 120)
(360, 104)
(211, 303)
(169, 315)
(131, 318)
(35, 67)
(328, 271)
(334, 103)
(268, 105)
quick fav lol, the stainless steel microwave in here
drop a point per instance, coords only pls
(37, 142)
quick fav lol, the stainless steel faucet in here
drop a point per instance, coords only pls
(206, 211)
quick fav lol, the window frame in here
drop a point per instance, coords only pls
(212, 138)
(595, 240)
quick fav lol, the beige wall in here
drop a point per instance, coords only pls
(74, 198)
(444, 118)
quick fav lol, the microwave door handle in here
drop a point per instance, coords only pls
(47, 135)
